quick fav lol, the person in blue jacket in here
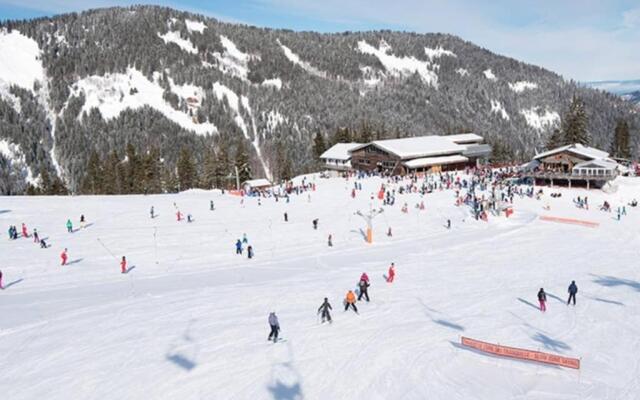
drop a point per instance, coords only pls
(573, 289)
(238, 247)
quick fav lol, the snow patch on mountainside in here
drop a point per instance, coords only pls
(273, 119)
(294, 58)
(489, 75)
(275, 82)
(232, 60)
(9, 97)
(400, 66)
(462, 72)
(195, 26)
(15, 155)
(539, 120)
(19, 63)
(521, 86)
(113, 93)
(372, 76)
(174, 37)
(438, 52)
(187, 91)
(498, 108)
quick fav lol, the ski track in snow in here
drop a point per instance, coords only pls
(190, 321)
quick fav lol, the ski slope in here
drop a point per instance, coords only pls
(190, 320)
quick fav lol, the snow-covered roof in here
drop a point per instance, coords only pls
(428, 161)
(257, 183)
(465, 137)
(576, 148)
(601, 163)
(340, 151)
(420, 146)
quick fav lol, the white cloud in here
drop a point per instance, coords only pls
(631, 18)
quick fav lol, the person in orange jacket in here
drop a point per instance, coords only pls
(63, 257)
(123, 265)
(392, 273)
(350, 300)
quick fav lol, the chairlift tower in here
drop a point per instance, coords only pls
(368, 217)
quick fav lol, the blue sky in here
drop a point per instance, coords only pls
(585, 40)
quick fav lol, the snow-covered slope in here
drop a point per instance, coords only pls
(190, 319)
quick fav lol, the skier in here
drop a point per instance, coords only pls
(542, 299)
(151, 212)
(43, 244)
(364, 286)
(573, 289)
(63, 257)
(392, 273)
(448, 224)
(123, 265)
(36, 238)
(244, 238)
(330, 242)
(389, 232)
(2, 287)
(238, 247)
(324, 311)
(179, 216)
(189, 219)
(69, 226)
(275, 327)
(10, 232)
(211, 206)
(350, 300)
(286, 217)
(25, 233)
(82, 221)
(250, 252)
(315, 223)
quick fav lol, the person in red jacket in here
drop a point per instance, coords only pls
(63, 257)
(392, 273)
(364, 277)
(123, 265)
(25, 233)
(179, 216)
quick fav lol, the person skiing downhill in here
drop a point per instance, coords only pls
(275, 327)
(286, 217)
(250, 252)
(350, 300)
(36, 237)
(64, 257)
(330, 241)
(238, 247)
(573, 290)
(123, 265)
(324, 311)
(69, 226)
(364, 290)
(315, 223)
(211, 206)
(25, 233)
(152, 213)
(542, 299)
(392, 273)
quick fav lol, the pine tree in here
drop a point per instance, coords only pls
(110, 184)
(284, 163)
(186, 170)
(133, 171)
(208, 176)
(45, 181)
(92, 183)
(170, 180)
(151, 172)
(221, 171)
(555, 140)
(365, 133)
(242, 162)
(319, 146)
(575, 123)
(342, 135)
(620, 147)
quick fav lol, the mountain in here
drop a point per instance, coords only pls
(164, 80)
(633, 97)
(629, 90)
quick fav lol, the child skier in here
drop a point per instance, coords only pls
(392, 273)
(238, 247)
(123, 265)
(250, 252)
(364, 286)
(350, 300)
(63, 257)
(324, 311)
(364, 277)
(542, 299)
(25, 233)
(573, 290)
(82, 221)
(275, 327)
(69, 226)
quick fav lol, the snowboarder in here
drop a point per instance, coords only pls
(542, 299)
(324, 311)
(123, 265)
(315, 224)
(275, 327)
(350, 300)
(63, 257)
(392, 273)
(573, 289)
(152, 213)
(364, 286)
(330, 242)
(211, 206)
(69, 226)
(286, 217)
(36, 238)
(250, 252)
(25, 233)
(82, 221)
(238, 247)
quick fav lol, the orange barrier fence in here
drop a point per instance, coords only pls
(521, 354)
(571, 221)
(235, 192)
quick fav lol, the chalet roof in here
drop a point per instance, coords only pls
(602, 163)
(415, 147)
(465, 137)
(339, 151)
(254, 183)
(429, 161)
(585, 151)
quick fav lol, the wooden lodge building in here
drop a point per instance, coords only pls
(420, 154)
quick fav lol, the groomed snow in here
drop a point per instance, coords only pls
(400, 66)
(498, 108)
(438, 52)
(540, 120)
(111, 94)
(294, 58)
(195, 26)
(490, 75)
(275, 82)
(521, 86)
(19, 64)
(232, 60)
(174, 37)
(190, 320)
